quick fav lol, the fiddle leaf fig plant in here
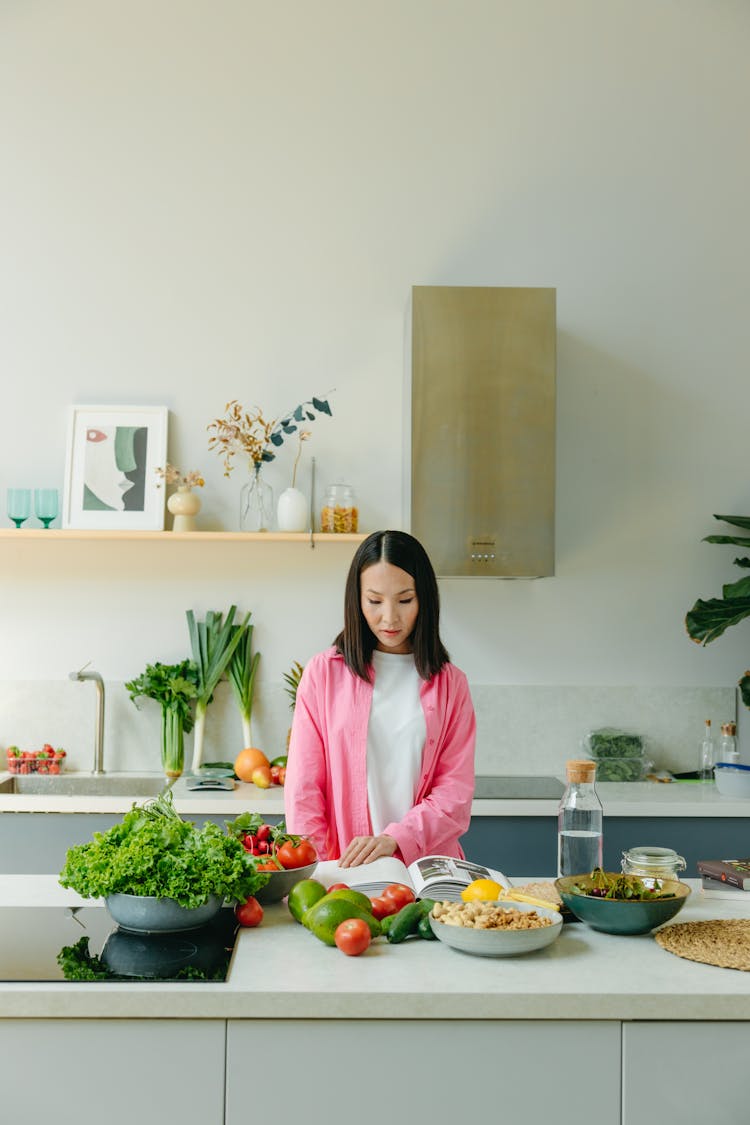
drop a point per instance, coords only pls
(708, 619)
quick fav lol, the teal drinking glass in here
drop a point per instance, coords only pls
(19, 505)
(45, 505)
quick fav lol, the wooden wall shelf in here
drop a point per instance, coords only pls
(20, 535)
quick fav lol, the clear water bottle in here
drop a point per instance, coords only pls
(706, 758)
(579, 821)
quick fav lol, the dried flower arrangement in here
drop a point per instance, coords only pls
(170, 475)
(248, 432)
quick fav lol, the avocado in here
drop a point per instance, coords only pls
(323, 918)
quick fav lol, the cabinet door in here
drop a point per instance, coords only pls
(371, 1071)
(152, 1072)
(692, 1073)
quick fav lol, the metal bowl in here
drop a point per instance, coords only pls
(146, 914)
(617, 915)
(280, 883)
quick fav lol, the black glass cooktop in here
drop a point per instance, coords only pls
(53, 943)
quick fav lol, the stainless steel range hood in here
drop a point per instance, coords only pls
(483, 429)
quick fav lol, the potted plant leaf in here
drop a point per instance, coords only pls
(709, 618)
(174, 687)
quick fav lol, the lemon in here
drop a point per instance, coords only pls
(481, 890)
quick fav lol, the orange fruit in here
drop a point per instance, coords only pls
(247, 760)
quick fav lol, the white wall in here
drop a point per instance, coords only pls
(204, 201)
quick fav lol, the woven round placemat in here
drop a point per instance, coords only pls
(724, 942)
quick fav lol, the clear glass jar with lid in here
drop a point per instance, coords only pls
(651, 863)
(339, 512)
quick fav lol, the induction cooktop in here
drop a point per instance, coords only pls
(513, 788)
(53, 943)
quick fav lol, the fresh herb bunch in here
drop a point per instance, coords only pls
(248, 432)
(174, 686)
(153, 851)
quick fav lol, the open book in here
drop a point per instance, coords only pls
(431, 876)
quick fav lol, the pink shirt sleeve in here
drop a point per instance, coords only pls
(305, 784)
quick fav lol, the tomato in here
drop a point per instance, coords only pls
(291, 855)
(339, 887)
(267, 864)
(275, 771)
(282, 775)
(249, 913)
(381, 907)
(352, 936)
(399, 894)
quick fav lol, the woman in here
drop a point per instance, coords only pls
(381, 757)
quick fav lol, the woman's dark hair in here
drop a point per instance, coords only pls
(356, 641)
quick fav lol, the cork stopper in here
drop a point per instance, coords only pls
(729, 728)
(578, 770)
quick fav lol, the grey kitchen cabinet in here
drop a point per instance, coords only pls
(686, 1072)
(121, 1071)
(441, 1071)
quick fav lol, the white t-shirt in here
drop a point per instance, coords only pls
(396, 735)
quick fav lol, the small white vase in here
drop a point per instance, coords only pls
(293, 511)
(184, 506)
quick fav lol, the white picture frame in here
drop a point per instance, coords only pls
(113, 453)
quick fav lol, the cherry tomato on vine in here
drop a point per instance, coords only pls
(352, 936)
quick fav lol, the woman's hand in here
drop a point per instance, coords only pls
(365, 849)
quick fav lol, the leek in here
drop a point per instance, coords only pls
(213, 642)
(242, 669)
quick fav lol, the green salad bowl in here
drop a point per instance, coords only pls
(621, 916)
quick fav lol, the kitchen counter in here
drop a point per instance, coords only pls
(634, 799)
(281, 971)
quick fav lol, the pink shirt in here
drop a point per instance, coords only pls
(325, 793)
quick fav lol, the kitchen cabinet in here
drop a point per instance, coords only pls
(431, 1070)
(118, 1071)
(686, 1072)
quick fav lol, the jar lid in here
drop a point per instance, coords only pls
(580, 769)
(655, 857)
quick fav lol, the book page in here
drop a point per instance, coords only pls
(369, 878)
(448, 876)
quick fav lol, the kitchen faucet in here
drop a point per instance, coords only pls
(82, 674)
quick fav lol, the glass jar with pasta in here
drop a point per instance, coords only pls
(339, 512)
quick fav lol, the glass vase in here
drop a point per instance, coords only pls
(172, 742)
(256, 502)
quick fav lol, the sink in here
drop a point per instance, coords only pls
(85, 785)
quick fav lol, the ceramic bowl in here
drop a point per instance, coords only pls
(146, 914)
(281, 882)
(500, 943)
(732, 779)
(621, 916)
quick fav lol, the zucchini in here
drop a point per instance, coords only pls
(424, 929)
(406, 923)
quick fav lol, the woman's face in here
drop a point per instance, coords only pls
(389, 603)
(101, 473)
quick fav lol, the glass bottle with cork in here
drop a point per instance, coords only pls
(706, 758)
(728, 751)
(579, 821)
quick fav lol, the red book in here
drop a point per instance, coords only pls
(736, 872)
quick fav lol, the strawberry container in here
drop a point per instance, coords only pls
(45, 761)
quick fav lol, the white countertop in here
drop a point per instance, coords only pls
(641, 798)
(282, 971)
